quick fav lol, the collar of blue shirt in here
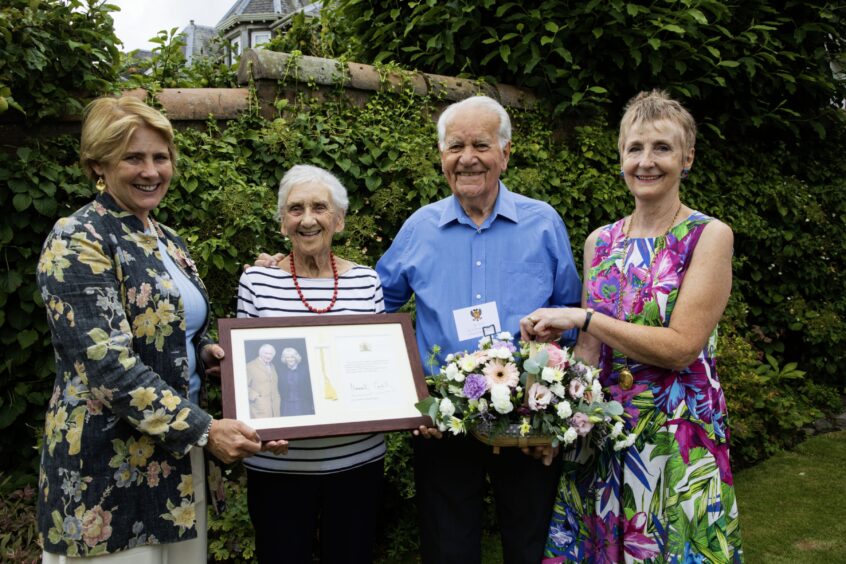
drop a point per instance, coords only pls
(504, 207)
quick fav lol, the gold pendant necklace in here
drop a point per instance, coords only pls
(625, 376)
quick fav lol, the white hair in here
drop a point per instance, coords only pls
(307, 174)
(291, 351)
(475, 102)
(267, 346)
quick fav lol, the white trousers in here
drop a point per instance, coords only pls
(185, 552)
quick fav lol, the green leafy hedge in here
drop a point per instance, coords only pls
(52, 53)
(782, 339)
(755, 65)
(385, 153)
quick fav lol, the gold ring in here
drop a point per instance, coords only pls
(532, 319)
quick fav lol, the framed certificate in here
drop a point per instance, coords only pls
(319, 376)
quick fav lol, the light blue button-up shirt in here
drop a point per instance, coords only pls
(520, 258)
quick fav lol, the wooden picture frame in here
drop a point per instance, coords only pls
(322, 375)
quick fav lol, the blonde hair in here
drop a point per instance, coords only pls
(108, 125)
(656, 105)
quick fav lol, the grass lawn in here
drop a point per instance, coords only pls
(791, 506)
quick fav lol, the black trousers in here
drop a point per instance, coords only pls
(450, 480)
(287, 510)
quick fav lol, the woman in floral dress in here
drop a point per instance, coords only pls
(122, 455)
(657, 283)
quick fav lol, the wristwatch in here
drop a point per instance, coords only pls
(204, 438)
(588, 315)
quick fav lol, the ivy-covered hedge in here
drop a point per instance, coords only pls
(385, 153)
(754, 67)
(782, 340)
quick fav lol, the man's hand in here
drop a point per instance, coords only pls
(545, 453)
(231, 440)
(267, 260)
(427, 432)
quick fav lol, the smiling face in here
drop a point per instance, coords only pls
(290, 359)
(266, 354)
(310, 219)
(653, 157)
(140, 178)
(472, 159)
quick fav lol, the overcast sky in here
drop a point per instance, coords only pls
(139, 20)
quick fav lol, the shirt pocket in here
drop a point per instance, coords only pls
(528, 286)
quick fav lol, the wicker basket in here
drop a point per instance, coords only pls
(510, 437)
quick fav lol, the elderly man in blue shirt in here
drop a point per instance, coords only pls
(476, 262)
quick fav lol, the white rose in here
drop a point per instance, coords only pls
(449, 357)
(505, 336)
(502, 352)
(446, 407)
(501, 398)
(468, 364)
(558, 389)
(569, 436)
(617, 429)
(452, 371)
(597, 390)
(548, 374)
(564, 410)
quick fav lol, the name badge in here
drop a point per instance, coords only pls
(476, 321)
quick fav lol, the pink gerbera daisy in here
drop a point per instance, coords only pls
(498, 372)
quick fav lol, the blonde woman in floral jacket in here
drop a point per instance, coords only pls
(122, 456)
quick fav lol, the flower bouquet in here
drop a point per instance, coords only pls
(535, 395)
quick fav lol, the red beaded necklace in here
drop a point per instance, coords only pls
(300, 292)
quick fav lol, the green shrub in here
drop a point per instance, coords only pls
(784, 200)
(167, 67)
(760, 63)
(18, 533)
(54, 55)
(231, 537)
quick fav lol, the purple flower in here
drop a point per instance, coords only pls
(690, 435)
(636, 542)
(581, 423)
(475, 385)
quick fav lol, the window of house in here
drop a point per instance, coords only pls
(259, 37)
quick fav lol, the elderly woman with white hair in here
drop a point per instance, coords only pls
(318, 483)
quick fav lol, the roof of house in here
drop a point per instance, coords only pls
(198, 36)
(253, 10)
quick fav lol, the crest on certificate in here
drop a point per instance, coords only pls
(476, 314)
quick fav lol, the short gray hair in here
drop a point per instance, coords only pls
(475, 102)
(291, 351)
(306, 174)
(267, 346)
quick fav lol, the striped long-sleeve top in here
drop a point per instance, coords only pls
(270, 292)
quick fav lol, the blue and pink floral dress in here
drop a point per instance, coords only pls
(670, 496)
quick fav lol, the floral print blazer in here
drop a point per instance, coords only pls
(114, 471)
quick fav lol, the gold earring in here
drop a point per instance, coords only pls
(101, 185)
